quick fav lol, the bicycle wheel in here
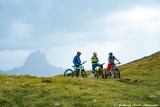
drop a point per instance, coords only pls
(68, 73)
(76, 74)
(117, 73)
(83, 72)
(101, 72)
(111, 72)
(106, 74)
(96, 73)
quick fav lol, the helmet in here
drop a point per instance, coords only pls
(110, 53)
(95, 53)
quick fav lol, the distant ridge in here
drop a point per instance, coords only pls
(1, 72)
(36, 65)
(145, 57)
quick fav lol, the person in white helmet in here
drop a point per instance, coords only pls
(95, 61)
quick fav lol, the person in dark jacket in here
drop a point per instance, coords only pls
(77, 60)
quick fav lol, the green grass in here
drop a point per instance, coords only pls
(30, 91)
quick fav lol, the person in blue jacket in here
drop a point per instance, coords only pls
(77, 61)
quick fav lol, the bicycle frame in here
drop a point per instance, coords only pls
(111, 72)
(75, 72)
(112, 69)
(99, 66)
(79, 69)
(99, 71)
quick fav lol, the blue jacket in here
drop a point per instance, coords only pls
(76, 60)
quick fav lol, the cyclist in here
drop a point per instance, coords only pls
(111, 63)
(77, 62)
(95, 63)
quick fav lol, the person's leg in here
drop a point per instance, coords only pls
(108, 70)
(108, 67)
(93, 67)
(93, 70)
(76, 69)
(111, 68)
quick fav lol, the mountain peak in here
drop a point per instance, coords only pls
(37, 58)
(37, 65)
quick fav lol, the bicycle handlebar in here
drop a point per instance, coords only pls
(102, 63)
(116, 63)
(83, 62)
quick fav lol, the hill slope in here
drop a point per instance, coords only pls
(139, 85)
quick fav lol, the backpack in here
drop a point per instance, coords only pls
(111, 60)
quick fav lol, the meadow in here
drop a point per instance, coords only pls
(139, 85)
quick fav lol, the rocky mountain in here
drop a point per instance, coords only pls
(36, 65)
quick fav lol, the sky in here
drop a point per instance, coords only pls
(60, 28)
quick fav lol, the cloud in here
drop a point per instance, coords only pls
(135, 29)
(140, 22)
(141, 17)
(62, 28)
(11, 59)
(63, 56)
(49, 23)
(21, 32)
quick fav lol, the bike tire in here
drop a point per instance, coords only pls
(96, 74)
(106, 74)
(83, 73)
(102, 74)
(117, 73)
(77, 74)
(69, 73)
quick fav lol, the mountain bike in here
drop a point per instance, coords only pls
(114, 70)
(77, 70)
(99, 71)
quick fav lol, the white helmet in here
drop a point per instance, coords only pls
(94, 53)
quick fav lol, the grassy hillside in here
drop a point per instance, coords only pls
(139, 84)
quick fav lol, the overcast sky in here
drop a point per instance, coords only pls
(60, 28)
